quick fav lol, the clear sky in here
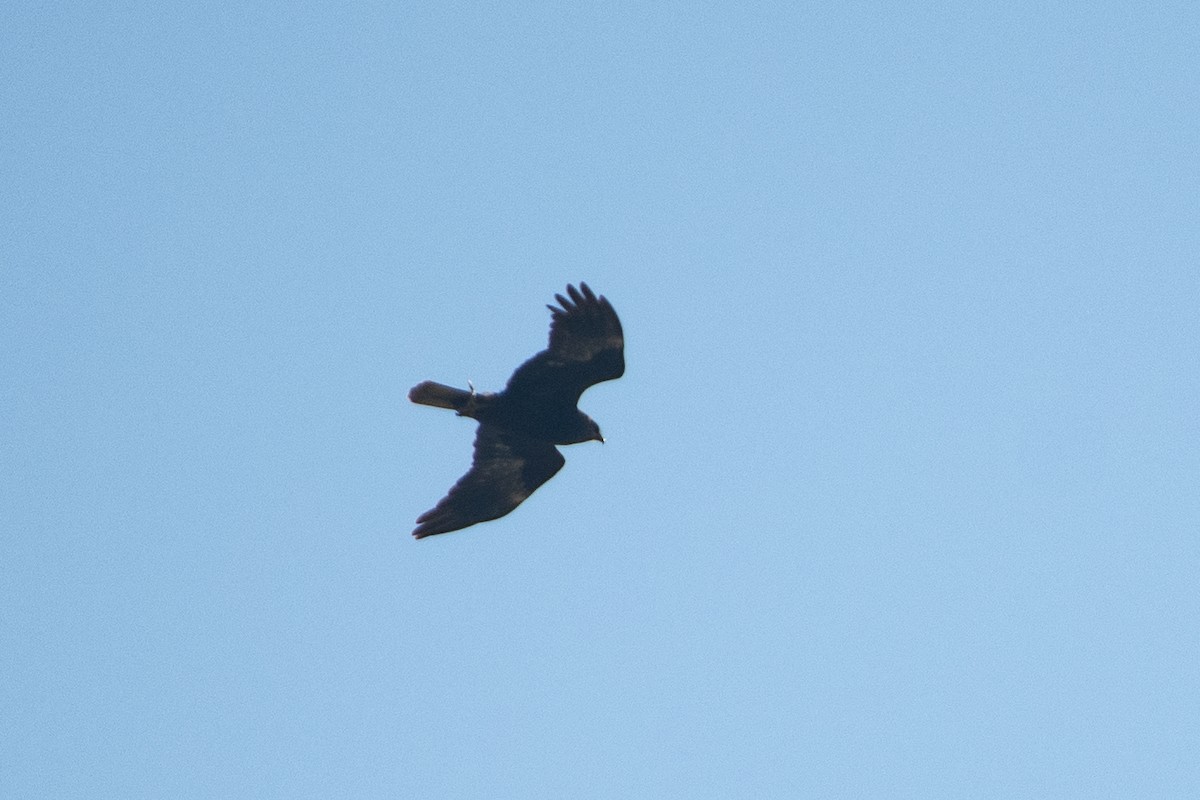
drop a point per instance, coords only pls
(901, 494)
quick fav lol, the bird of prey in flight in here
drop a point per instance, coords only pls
(519, 427)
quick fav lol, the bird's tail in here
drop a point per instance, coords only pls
(430, 393)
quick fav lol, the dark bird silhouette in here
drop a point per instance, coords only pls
(519, 427)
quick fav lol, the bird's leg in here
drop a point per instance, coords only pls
(469, 409)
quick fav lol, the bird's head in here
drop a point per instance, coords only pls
(586, 430)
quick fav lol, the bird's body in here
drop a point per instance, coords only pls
(519, 427)
(550, 422)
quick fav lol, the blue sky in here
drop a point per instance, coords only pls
(900, 493)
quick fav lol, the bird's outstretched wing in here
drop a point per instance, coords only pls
(506, 469)
(587, 346)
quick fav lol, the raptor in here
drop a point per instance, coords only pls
(520, 427)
